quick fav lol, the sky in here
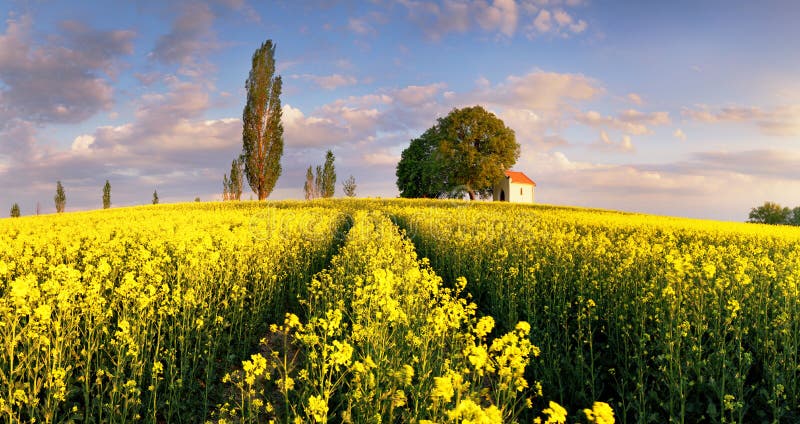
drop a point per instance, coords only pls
(687, 108)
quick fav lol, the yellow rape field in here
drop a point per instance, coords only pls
(134, 314)
(362, 311)
(665, 319)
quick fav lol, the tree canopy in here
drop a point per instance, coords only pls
(466, 151)
(775, 214)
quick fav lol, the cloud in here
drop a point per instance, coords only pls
(635, 99)
(328, 82)
(190, 35)
(781, 121)
(629, 121)
(82, 143)
(413, 95)
(60, 80)
(679, 134)
(437, 19)
(539, 90)
(381, 158)
(360, 26)
(736, 181)
(501, 16)
(556, 22)
(310, 131)
(605, 143)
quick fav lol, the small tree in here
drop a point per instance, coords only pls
(226, 188)
(60, 198)
(196, 199)
(349, 187)
(769, 213)
(107, 195)
(236, 181)
(38, 208)
(328, 184)
(15, 210)
(155, 197)
(309, 188)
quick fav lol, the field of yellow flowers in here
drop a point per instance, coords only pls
(362, 311)
(666, 319)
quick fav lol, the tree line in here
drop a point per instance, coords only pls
(775, 214)
(60, 199)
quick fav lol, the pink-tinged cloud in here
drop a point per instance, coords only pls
(781, 121)
(328, 82)
(629, 121)
(61, 80)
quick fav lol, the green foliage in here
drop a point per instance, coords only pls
(466, 151)
(421, 171)
(107, 195)
(328, 177)
(324, 183)
(262, 133)
(60, 198)
(197, 199)
(15, 210)
(794, 217)
(349, 187)
(232, 187)
(155, 197)
(770, 213)
(310, 188)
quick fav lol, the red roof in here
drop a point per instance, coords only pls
(519, 178)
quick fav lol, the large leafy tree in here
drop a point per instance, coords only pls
(466, 151)
(770, 213)
(107, 195)
(421, 170)
(262, 133)
(60, 198)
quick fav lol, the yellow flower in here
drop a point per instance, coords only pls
(601, 413)
(318, 409)
(443, 389)
(556, 414)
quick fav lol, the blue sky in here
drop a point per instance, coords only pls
(679, 108)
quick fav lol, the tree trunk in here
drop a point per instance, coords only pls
(471, 194)
(262, 195)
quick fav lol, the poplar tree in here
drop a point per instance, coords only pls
(328, 184)
(262, 133)
(309, 188)
(60, 198)
(15, 210)
(107, 195)
(155, 197)
(236, 181)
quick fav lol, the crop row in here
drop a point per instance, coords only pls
(665, 319)
(385, 341)
(135, 314)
